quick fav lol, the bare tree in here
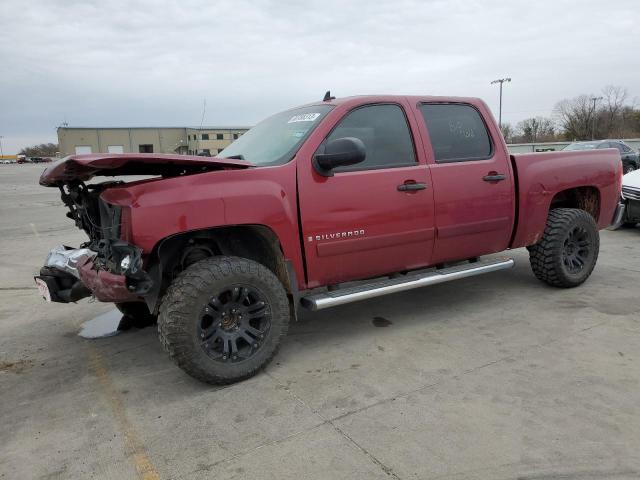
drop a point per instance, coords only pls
(536, 129)
(575, 116)
(631, 126)
(611, 114)
(42, 150)
(581, 117)
(507, 132)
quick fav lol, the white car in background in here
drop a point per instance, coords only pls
(631, 199)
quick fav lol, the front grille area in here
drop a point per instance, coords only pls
(631, 193)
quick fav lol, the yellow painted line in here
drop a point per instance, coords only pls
(134, 448)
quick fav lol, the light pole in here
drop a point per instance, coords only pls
(1, 152)
(593, 112)
(500, 81)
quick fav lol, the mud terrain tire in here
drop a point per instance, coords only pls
(223, 318)
(568, 250)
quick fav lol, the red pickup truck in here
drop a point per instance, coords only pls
(321, 205)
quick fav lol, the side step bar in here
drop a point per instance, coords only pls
(320, 301)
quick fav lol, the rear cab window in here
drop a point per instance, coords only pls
(457, 132)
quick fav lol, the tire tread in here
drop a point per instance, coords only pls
(182, 296)
(545, 256)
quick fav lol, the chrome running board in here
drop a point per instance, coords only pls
(377, 288)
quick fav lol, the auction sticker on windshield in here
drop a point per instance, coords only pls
(305, 117)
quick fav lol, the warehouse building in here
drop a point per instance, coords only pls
(181, 140)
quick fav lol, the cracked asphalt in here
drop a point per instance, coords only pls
(493, 377)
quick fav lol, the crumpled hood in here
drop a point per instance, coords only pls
(85, 167)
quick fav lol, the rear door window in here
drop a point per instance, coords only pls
(457, 132)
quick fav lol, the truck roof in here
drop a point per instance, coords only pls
(358, 99)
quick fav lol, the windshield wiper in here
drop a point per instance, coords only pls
(235, 157)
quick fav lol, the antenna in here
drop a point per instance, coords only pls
(204, 109)
(328, 97)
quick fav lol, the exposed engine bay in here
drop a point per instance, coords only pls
(105, 263)
(98, 219)
(102, 222)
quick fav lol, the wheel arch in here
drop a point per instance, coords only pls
(585, 198)
(534, 209)
(252, 241)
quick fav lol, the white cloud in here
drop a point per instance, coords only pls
(151, 63)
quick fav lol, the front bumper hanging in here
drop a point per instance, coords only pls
(72, 274)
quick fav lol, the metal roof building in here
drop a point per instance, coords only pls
(183, 140)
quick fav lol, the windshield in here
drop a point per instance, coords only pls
(275, 140)
(582, 146)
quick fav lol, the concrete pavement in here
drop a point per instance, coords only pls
(493, 377)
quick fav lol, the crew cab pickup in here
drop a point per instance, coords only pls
(333, 202)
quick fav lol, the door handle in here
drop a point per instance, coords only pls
(494, 177)
(411, 187)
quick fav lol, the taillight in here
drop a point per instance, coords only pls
(126, 233)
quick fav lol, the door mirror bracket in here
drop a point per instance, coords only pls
(340, 152)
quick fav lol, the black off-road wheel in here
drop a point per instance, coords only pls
(568, 250)
(135, 314)
(223, 318)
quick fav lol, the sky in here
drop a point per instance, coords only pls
(153, 63)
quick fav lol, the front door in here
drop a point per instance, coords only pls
(473, 185)
(372, 218)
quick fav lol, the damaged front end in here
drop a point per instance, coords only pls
(72, 274)
(106, 267)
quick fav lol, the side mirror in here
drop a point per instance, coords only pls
(339, 153)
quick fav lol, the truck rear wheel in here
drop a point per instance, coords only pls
(568, 250)
(223, 318)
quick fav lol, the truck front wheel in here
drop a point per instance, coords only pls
(222, 319)
(568, 250)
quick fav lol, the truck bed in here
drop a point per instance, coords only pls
(542, 179)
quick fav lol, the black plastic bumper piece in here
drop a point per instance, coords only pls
(63, 287)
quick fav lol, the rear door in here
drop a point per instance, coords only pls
(472, 182)
(363, 221)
